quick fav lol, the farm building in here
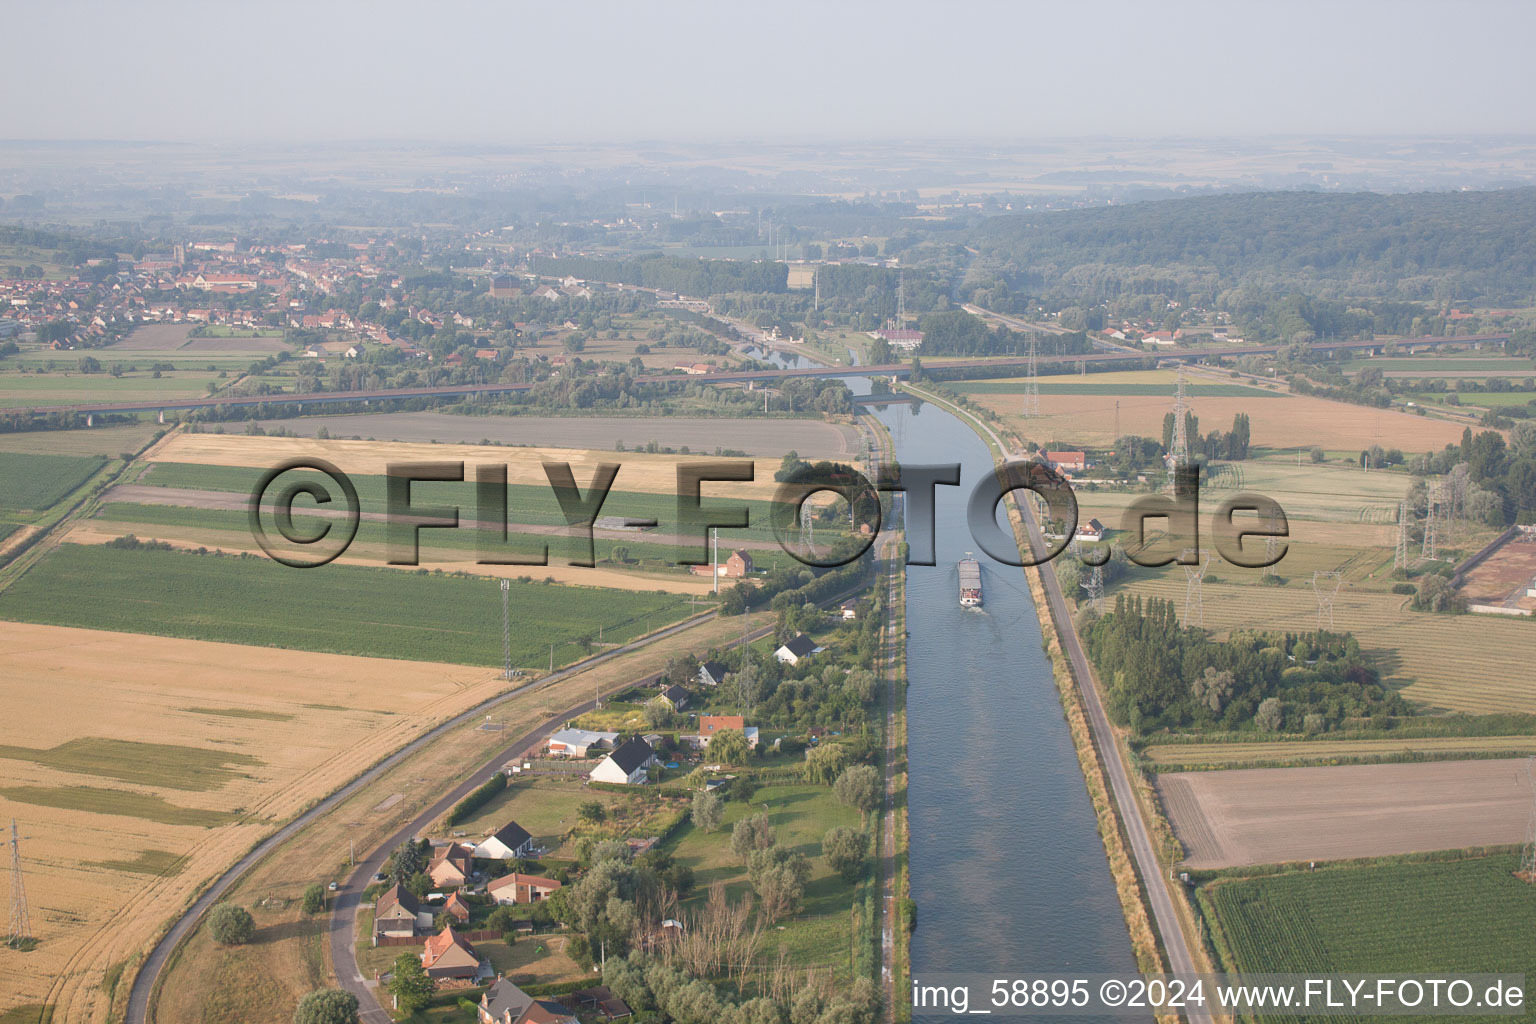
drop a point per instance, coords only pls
(509, 842)
(625, 766)
(517, 888)
(578, 742)
(448, 955)
(799, 647)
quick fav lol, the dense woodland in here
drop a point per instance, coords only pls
(1162, 675)
(1422, 246)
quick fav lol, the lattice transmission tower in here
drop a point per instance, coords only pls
(1326, 586)
(1431, 527)
(1180, 453)
(1400, 559)
(1194, 579)
(1094, 587)
(21, 924)
(1032, 381)
(506, 629)
(1528, 854)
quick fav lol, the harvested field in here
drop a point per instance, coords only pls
(140, 766)
(1294, 421)
(653, 474)
(154, 338)
(293, 958)
(1505, 576)
(224, 346)
(761, 438)
(1272, 815)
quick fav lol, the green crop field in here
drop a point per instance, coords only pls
(99, 440)
(1470, 365)
(19, 390)
(383, 613)
(527, 504)
(372, 540)
(36, 482)
(1483, 399)
(1435, 918)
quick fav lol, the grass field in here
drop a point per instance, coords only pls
(69, 388)
(338, 609)
(1195, 756)
(128, 437)
(801, 815)
(1432, 918)
(36, 482)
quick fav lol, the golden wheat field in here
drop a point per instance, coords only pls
(640, 471)
(139, 767)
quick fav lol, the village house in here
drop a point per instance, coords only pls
(625, 766)
(578, 742)
(451, 865)
(739, 564)
(850, 609)
(1070, 462)
(709, 725)
(456, 908)
(600, 999)
(448, 955)
(674, 697)
(797, 649)
(712, 673)
(1092, 531)
(509, 842)
(519, 888)
(396, 914)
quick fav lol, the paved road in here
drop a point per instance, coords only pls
(889, 919)
(1164, 916)
(149, 974)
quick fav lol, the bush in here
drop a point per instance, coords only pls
(314, 899)
(708, 810)
(231, 925)
(859, 786)
(844, 849)
(477, 799)
(327, 1006)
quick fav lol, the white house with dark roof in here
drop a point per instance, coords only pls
(712, 673)
(800, 646)
(625, 766)
(509, 842)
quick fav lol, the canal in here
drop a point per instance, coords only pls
(1007, 867)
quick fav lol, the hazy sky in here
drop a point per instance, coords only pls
(779, 70)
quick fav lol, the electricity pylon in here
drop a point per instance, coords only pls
(1326, 586)
(21, 925)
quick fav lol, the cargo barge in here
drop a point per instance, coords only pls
(970, 582)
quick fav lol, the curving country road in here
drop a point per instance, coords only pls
(148, 976)
(1164, 915)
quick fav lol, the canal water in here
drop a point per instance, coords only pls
(1007, 867)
